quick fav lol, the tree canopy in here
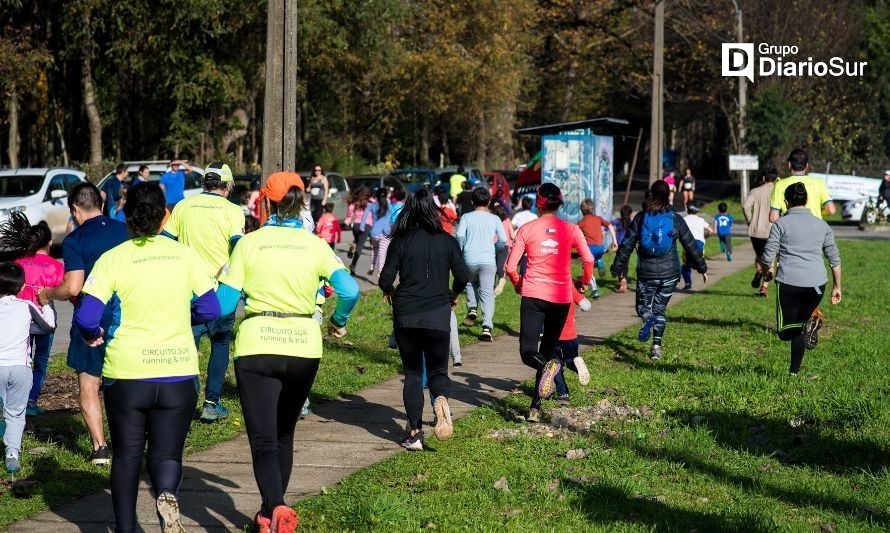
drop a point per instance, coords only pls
(415, 83)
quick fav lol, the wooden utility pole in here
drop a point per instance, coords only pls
(656, 142)
(743, 101)
(280, 108)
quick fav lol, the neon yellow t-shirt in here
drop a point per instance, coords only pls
(279, 268)
(155, 280)
(817, 194)
(205, 223)
(456, 181)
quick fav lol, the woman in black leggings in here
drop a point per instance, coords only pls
(799, 240)
(546, 288)
(151, 365)
(423, 256)
(279, 346)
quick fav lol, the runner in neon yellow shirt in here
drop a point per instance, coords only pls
(151, 364)
(210, 224)
(279, 345)
(818, 197)
(456, 182)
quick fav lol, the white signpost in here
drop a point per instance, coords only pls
(743, 163)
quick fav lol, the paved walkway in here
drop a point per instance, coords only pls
(219, 492)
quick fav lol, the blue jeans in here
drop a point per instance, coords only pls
(566, 351)
(40, 347)
(220, 332)
(686, 270)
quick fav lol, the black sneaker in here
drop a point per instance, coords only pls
(414, 444)
(101, 457)
(811, 332)
(470, 320)
(486, 334)
(755, 283)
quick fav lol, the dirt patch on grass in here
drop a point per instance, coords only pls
(566, 422)
(59, 392)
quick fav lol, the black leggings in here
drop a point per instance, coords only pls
(500, 259)
(359, 238)
(535, 314)
(273, 389)
(794, 306)
(317, 208)
(140, 410)
(415, 346)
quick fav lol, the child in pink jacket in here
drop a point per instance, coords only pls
(328, 227)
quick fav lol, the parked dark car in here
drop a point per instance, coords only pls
(415, 178)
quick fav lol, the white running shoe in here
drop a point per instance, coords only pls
(499, 288)
(444, 429)
(168, 511)
(583, 373)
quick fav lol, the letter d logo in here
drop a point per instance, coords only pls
(738, 60)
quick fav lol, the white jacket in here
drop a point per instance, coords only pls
(16, 316)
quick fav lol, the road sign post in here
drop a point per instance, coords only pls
(743, 163)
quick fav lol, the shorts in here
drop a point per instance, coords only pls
(84, 358)
(759, 245)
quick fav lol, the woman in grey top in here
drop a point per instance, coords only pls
(799, 241)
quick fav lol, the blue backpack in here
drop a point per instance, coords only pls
(657, 234)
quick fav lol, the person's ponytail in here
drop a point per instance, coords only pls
(18, 236)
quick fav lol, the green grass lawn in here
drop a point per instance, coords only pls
(361, 359)
(732, 442)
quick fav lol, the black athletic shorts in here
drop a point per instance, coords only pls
(759, 245)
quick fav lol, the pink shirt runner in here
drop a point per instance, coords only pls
(548, 243)
(41, 271)
(328, 228)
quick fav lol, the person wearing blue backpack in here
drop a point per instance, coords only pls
(654, 233)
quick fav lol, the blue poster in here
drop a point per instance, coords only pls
(581, 165)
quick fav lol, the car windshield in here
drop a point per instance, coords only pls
(414, 177)
(20, 185)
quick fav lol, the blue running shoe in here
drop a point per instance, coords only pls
(213, 412)
(646, 329)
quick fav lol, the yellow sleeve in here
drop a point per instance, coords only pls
(199, 280)
(776, 199)
(234, 272)
(824, 195)
(236, 222)
(100, 284)
(172, 225)
(328, 262)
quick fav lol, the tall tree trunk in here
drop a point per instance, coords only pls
(92, 109)
(424, 139)
(481, 138)
(12, 107)
(445, 147)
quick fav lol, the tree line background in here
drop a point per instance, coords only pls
(386, 83)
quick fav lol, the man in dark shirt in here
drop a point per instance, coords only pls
(141, 176)
(95, 234)
(884, 191)
(111, 190)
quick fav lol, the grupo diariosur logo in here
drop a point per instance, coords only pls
(738, 59)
